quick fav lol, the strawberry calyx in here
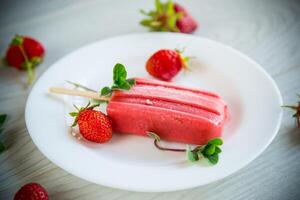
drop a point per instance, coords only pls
(79, 110)
(163, 18)
(296, 115)
(17, 40)
(184, 59)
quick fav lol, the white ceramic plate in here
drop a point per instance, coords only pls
(132, 162)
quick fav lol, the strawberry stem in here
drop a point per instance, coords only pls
(28, 65)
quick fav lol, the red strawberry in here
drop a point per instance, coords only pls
(186, 23)
(25, 53)
(32, 191)
(93, 125)
(165, 64)
(169, 16)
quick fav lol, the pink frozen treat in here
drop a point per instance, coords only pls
(173, 112)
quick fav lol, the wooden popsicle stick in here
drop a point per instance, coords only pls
(87, 94)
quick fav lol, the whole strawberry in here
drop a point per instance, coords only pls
(165, 64)
(169, 16)
(25, 53)
(93, 125)
(186, 23)
(31, 191)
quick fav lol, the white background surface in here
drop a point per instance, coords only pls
(267, 31)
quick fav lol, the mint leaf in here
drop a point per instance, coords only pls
(124, 85)
(131, 81)
(218, 150)
(2, 119)
(192, 156)
(120, 81)
(214, 158)
(216, 141)
(105, 91)
(209, 149)
(2, 147)
(119, 74)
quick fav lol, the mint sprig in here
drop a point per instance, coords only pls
(209, 151)
(120, 81)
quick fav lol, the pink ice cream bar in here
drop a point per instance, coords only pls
(173, 112)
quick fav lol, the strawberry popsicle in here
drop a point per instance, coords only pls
(173, 112)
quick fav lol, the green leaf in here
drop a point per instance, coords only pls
(218, 150)
(146, 22)
(155, 24)
(131, 81)
(209, 149)
(172, 22)
(97, 101)
(153, 135)
(2, 119)
(216, 141)
(2, 147)
(119, 73)
(192, 156)
(170, 8)
(159, 6)
(73, 114)
(105, 91)
(214, 158)
(17, 40)
(124, 85)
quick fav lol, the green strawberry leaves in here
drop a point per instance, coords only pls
(209, 151)
(296, 108)
(79, 110)
(163, 18)
(120, 81)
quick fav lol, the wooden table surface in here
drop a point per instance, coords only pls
(266, 30)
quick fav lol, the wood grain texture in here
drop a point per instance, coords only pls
(266, 30)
